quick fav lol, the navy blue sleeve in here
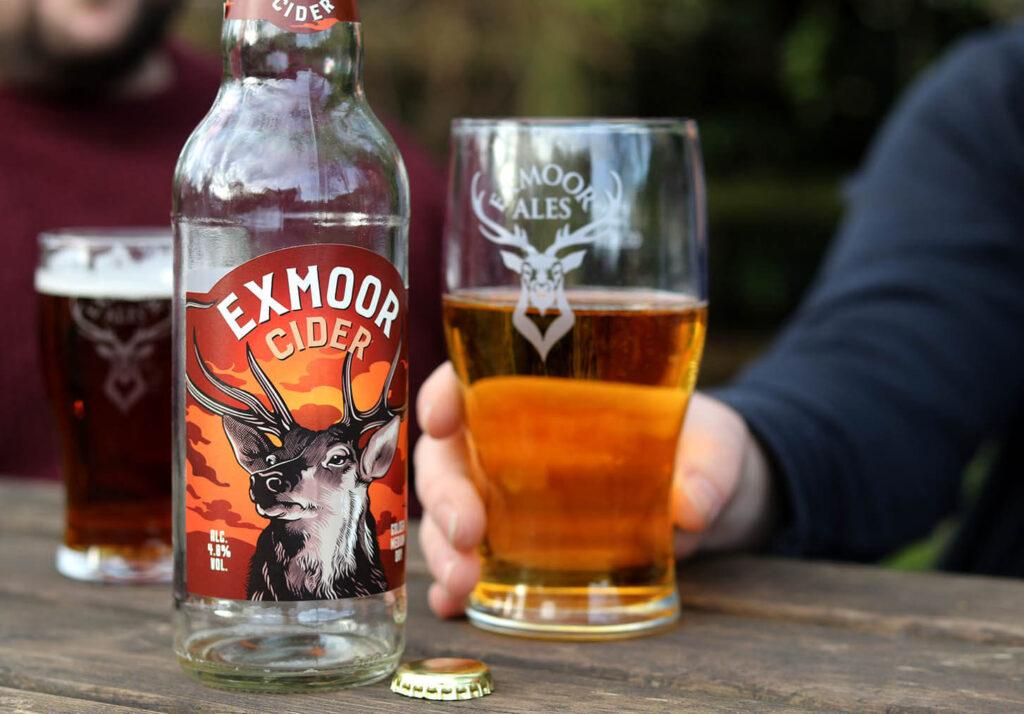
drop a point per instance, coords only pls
(907, 354)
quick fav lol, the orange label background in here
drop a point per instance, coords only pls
(217, 490)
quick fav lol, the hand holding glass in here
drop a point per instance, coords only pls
(575, 312)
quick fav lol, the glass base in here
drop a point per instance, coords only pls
(290, 646)
(286, 661)
(117, 564)
(573, 613)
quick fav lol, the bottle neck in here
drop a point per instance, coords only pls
(258, 49)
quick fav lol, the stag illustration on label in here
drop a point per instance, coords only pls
(308, 475)
(296, 378)
(542, 274)
(103, 323)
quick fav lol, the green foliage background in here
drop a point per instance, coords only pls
(787, 92)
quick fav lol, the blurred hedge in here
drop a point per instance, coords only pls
(787, 92)
(774, 82)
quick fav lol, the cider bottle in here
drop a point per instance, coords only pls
(291, 210)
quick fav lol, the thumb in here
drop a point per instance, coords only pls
(708, 464)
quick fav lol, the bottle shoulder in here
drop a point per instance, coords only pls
(294, 141)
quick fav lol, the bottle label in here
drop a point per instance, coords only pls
(296, 378)
(302, 16)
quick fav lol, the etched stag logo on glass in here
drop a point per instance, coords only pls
(543, 274)
(125, 383)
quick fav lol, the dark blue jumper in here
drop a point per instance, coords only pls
(908, 354)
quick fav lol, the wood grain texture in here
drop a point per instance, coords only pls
(16, 701)
(983, 610)
(39, 507)
(758, 634)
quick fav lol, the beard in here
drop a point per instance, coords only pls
(86, 74)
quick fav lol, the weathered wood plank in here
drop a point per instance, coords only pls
(130, 664)
(27, 568)
(758, 633)
(983, 610)
(40, 507)
(83, 696)
(518, 689)
(19, 701)
(781, 663)
(710, 657)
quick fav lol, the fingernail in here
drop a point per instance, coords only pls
(446, 576)
(703, 496)
(447, 518)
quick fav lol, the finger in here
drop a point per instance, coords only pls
(709, 463)
(697, 500)
(444, 604)
(438, 556)
(455, 573)
(439, 405)
(448, 496)
(686, 544)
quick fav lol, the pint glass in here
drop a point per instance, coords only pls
(575, 313)
(106, 336)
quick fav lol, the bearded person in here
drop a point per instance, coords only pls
(95, 105)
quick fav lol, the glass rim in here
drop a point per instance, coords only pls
(100, 237)
(684, 124)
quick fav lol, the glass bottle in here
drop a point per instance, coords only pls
(291, 215)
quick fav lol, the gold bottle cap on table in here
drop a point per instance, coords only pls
(446, 678)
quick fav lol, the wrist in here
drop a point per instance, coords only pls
(765, 505)
(750, 519)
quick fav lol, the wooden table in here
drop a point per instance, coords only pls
(757, 634)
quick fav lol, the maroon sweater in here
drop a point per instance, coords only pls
(111, 163)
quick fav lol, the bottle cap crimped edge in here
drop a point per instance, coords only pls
(443, 678)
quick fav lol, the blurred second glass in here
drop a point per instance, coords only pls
(105, 302)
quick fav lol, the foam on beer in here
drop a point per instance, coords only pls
(112, 274)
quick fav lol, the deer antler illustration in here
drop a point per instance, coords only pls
(381, 412)
(277, 422)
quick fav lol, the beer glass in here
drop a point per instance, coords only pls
(575, 312)
(106, 336)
